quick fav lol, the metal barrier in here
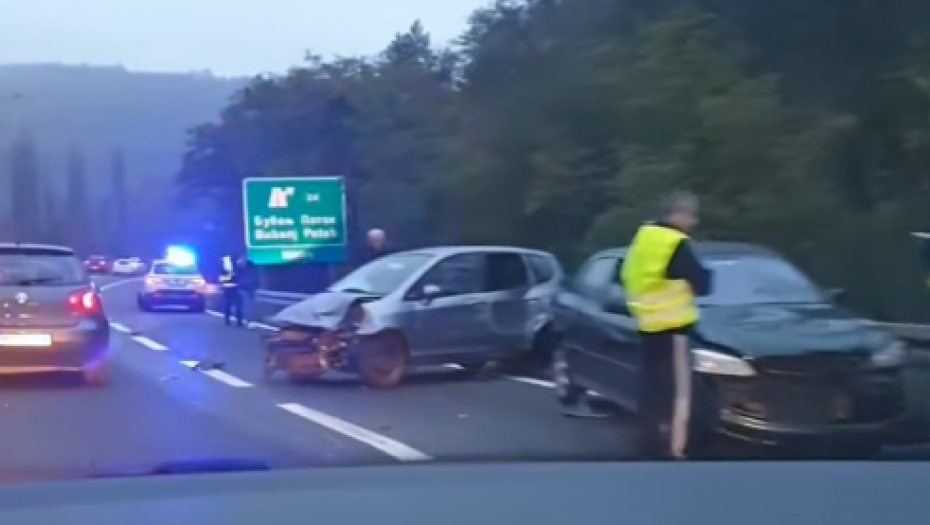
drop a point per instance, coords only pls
(915, 333)
(280, 298)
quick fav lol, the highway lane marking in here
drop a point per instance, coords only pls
(263, 326)
(121, 328)
(532, 381)
(219, 375)
(395, 449)
(149, 343)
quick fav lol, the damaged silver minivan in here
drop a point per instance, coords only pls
(463, 305)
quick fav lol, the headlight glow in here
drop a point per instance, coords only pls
(892, 355)
(715, 363)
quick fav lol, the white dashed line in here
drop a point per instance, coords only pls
(395, 449)
(219, 375)
(120, 328)
(148, 343)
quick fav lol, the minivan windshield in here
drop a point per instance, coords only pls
(382, 276)
(46, 269)
(758, 280)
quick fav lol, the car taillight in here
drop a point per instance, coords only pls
(85, 303)
(154, 281)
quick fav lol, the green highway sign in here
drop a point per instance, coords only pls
(295, 219)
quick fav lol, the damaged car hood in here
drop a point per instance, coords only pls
(322, 310)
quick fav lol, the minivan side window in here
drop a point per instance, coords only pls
(505, 271)
(597, 275)
(457, 275)
(542, 268)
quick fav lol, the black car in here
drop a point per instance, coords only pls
(776, 362)
(51, 315)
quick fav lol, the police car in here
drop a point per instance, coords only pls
(171, 284)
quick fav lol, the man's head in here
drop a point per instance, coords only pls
(376, 238)
(680, 209)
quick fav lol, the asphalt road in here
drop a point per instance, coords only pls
(159, 409)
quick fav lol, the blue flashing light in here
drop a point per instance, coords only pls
(180, 256)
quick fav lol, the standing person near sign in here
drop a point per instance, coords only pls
(246, 277)
(232, 299)
(663, 278)
(377, 245)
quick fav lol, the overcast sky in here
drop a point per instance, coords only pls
(229, 37)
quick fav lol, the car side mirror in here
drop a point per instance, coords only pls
(430, 292)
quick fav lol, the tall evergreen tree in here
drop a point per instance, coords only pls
(119, 220)
(25, 205)
(77, 202)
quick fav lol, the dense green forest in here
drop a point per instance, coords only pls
(88, 154)
(555, 124)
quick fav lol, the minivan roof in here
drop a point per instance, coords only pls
(710, 249)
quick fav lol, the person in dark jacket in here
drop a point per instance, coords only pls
(246, 279)
(239, 288)
(663, 278)
(377, 246)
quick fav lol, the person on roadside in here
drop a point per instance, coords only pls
(246, 278)
(232, 299)
(662, 278)
(377, 245)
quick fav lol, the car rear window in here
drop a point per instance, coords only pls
(40, 267)
(170, 269)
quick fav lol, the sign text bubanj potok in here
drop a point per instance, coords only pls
(295, 219)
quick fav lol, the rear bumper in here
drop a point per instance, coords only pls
(173, 297)
(73, 350)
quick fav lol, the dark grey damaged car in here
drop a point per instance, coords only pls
(463, 305)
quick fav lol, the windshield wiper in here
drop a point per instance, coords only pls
(35, 280)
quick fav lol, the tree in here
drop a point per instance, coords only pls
(556, 124)
(26, 204)
(77, 203)
(119, 220)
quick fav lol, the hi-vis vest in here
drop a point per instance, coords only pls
(657, 303)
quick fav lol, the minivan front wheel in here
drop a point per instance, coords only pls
(568, 393)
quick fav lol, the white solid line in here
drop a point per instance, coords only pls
(107, 286)
(145, 341)
(395, 449)
(219, 375)
(121, 328)
(542, 383)
(263, 326)
(532, 381)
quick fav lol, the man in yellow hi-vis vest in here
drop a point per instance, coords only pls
(662, 278)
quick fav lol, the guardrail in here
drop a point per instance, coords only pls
(916, 333)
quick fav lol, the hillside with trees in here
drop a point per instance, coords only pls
(88, 154)
(803, 125)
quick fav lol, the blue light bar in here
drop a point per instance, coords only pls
(180, 256)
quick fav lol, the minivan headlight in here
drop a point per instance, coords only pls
(716, 363)
(893, 354)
